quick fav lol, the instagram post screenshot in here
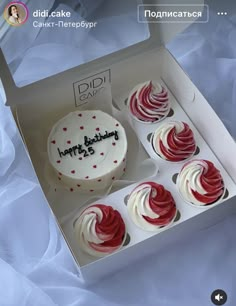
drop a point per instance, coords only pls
(117, 152)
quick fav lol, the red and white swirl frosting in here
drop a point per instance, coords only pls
(200, 182)
(149, 102)
(174, 141)
(151, 206)
(100, 230)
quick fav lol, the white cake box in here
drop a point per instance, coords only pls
(40, 104)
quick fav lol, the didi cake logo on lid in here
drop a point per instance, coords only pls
(16, 13)
(91, 86)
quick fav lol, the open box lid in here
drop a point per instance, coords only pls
(62, 84)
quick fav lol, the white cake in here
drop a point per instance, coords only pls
(88, 150)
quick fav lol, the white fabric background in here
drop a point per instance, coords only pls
(36, 266)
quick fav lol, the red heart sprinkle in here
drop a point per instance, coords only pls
(115, 161)
(80, 158)
(71, 189)
(80, 115)
(97, 129)
(94, 166)
(72, 171)
(94, 117)
(78, 185)
(102, 153)
(124, 169)
(124, 160)
(113, 143)
(59, 173)
(53, 141)
(58, 161)
(68, 141)
(91, 190)
(113, 178)
(81, 127)
(64, 129)
(99, 180)
(86, 177)
(117, 124)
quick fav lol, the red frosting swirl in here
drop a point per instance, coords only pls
(111, 225)
(200, 182)
(100, 229)
(151, 206)
(174, 141)
(150, 102)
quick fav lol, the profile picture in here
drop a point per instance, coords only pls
(16, 13)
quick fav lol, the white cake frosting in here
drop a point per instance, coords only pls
(88, 150)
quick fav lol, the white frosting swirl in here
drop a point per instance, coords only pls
(151, 206)
(174, 141)
(100, 230)
(149, 102)
(200, 183)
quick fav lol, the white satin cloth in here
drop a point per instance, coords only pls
(35, 264)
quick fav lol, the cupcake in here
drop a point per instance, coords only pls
(100, 230)
(151, 206)
(149, 102)
(174, 141)
(200, 182)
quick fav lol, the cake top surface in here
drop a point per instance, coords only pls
(86, 144)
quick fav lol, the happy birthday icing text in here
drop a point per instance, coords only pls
(88, 142)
